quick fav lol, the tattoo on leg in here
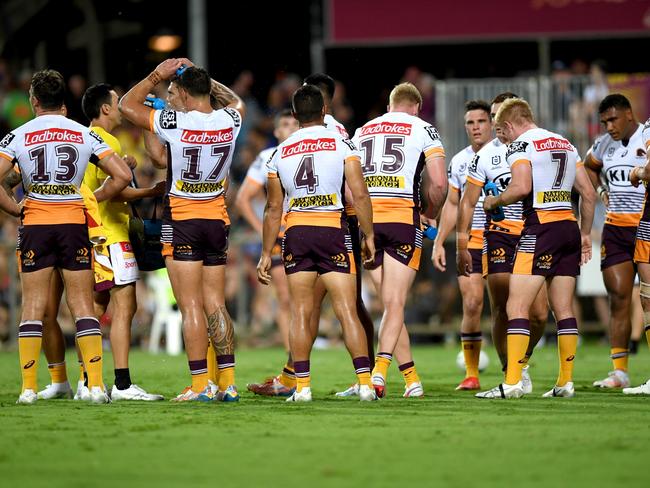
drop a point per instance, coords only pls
(221, 331)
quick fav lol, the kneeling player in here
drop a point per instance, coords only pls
(545, 167)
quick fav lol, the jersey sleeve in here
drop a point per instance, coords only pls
(257, 171)
(162, 122)
(453, 176)
(431, 143)
(597, 149)
(272, 165)
(475, 172)
(350, 151)
(98, 147)
(518, 153)
(8, 147)
(645, 134)
(236, 120)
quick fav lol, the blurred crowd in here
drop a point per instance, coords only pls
(434, 304)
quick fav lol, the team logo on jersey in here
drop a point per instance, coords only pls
(53, 135)
(610, 151)
(313, 201)
(516, 147)
(207, 136)
(6, 140)
(386, 128)
(433, 133)
(97, 137)
(384, 181)
(235, 116)
(309, 146)
(552, 144)
(462, 168)
(496, 160)
(168, 119)
(553, 196)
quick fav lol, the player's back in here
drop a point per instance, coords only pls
(554, 161)
(394, 147)
(310, 165)
(53, 152)
(200, 147)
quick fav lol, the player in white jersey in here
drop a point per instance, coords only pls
(200, 143)
(478, 126)
(253, 186)
(545, 167)
(397, 147)
(309, 168)
(611, 158)
(500, 238)
(52, 153)
(642, 249)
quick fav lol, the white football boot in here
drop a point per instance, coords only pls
(98, 395)
(415, 390)
(303, 395)
(27, 397)
(366, 393)
(352, 391)
(379, 384)
(615, 379)
(56, 390)
(526, 381)
(134, 392)
(503, 391)
(566, 391)
(643, 389)
(83, 393)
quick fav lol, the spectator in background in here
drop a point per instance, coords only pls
(16, 109)
(76, 89)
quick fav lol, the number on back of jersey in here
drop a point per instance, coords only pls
(305, 176)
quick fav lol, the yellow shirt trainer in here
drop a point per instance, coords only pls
(114, 215)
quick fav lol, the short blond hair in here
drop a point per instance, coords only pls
(514, 110)
(405, 93)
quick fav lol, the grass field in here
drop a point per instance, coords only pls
(446, 439)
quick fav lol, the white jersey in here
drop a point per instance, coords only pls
(53, 152)
(554, 162)
(257, 170)
(617, 160)
(200, 147)
(310, 166)
(490, 165)
(332, 123)
(395, 146)
(457, 175)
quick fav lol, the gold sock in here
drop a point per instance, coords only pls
(30, 337)
(517, 344)
(471, 343)
(288, 376)
(620, 356)
(647, 334)
(226, 365)
(57, 371)
(567, 344)
(199, 373)
(303, 377)
(382, 363)
(212, 364)
(409, 373)
(89, 339)
(362, 370)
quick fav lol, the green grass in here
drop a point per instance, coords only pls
(445, 439)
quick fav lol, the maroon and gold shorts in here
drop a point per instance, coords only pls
(551, 249)
(642, 246)
(402, 242)
(320, 249)
(617, 245)
(500, 252)
(276, 253)
(196, 240)
(64, 246)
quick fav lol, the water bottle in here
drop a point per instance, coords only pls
(497, 214)
(155, 103)
(180, 70)
(430, 232)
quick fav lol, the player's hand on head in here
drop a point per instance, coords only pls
(186, 62)
(168, 67)
(263, 268)
(464, 262)
(438, 257)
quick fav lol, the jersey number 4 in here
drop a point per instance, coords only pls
(393, 155)
(193, 156)
(305, 176)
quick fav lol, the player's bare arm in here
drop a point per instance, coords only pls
(587, 193)
(436, 174)
(463, 223)
(120, 177)
(248, 191)
(594, 170)
(362, 206)
(132, 103)
(448, 217)
(130, 194)
(7, 203)
(640, 173)
(519, 187)
(155, 149)
(271, 228)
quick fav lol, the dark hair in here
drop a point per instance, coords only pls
(615, 100)
(48, 87)
(477, 105)
(322, 81)
(286, 112)
(96, 96)
(307, 103)
(195, 81)
(502, 97)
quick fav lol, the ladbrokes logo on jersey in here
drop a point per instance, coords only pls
(385, 128)
(551, 144)
(53, 135)
(309, 146)
(207, 136)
